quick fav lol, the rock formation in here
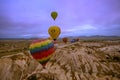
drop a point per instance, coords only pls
(76, 61)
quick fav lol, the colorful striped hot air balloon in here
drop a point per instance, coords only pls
(42, 50)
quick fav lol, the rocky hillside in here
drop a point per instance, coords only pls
(84, 60)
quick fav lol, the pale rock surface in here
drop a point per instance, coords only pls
(76, 61)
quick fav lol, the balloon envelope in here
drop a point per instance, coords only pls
(54, 32)
(54, 15)
(42, 50)
(65, 39)
(73, 40)
(77, 39)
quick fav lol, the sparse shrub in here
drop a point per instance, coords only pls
(119, 51)
(116, 58)
(33, 77)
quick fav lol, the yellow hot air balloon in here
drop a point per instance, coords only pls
(54, 32)
(54, 15)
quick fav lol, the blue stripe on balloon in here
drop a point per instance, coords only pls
(38, 49)
(41, 48)
(50, 45)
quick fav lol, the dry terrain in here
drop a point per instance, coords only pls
(82, 60)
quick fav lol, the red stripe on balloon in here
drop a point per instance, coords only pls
(43, 54)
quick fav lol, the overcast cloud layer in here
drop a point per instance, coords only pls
(31, 18)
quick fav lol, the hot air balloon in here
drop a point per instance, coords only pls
(42, 50)
(77, 39)
(73, 40)
(54, 32)
(65, 39)
(54, 15)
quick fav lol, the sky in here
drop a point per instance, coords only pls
(32, 18)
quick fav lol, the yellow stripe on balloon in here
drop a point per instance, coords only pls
(39, 44)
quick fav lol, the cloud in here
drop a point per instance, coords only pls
(81, 28)
(32, 18)
(4, 21)
(34, 35)
(88, 27)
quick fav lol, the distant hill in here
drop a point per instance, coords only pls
(20, 38)
(96, 37)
